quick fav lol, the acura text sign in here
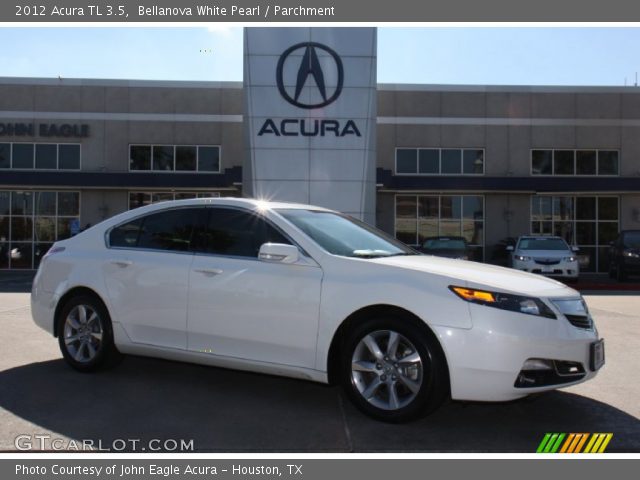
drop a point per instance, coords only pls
(310, 111)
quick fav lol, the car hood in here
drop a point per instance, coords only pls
(482, 275)
(545, 253)
(446, 252)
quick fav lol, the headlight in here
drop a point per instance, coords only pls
(630, 253)
(572, 306)
(522, 258)
(569, 259)
(504, 301)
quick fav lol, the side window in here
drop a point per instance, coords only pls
(237, 233)
(126, 235)
(167, 230)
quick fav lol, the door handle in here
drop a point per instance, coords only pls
(210, 272)
(122, 263)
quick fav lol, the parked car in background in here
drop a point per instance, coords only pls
(624, 255)
(547, 255)
(448, 247)
(500, 253)
(310, 293)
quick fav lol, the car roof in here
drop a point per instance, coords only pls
(249, 203)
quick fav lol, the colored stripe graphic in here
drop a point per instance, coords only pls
(574, 443)
(567, 443)
(581, 443)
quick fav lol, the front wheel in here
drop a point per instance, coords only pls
(85, 335)
(392, 370)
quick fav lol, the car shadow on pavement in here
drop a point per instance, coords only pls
(230, 411)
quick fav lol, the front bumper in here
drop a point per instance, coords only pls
(485, 361)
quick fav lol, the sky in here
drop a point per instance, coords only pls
(433, 55)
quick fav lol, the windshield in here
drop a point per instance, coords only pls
(543, 244)
(444, 244)
(632, 240)
(342, 235)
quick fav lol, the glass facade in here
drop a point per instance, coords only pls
(30, 221)
(40, 156)
(175, 158)
(421, 216)
(439, 161)
(575, 162)
(140, 199)
(589, 222)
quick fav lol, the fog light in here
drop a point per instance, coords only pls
(537, 364)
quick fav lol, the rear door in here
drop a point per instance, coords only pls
(147, 274)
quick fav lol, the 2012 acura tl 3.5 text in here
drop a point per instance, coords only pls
(306, 292)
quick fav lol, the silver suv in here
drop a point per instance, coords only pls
(547, 255)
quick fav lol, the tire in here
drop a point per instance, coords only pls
(85, 334)
(393, 387)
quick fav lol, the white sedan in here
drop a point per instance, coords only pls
(306, 292)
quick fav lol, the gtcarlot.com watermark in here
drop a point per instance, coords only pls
(48, 442)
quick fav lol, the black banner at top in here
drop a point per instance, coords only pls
(321, 11)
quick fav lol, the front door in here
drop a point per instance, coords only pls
(246, 308)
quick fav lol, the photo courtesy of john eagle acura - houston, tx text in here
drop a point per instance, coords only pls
(307, 292)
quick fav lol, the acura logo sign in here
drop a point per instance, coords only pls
(307, 63)
(310, 67)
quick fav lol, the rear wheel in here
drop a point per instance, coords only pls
(392, 370)
(85, 335)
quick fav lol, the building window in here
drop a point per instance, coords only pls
(30, 221)
(163, 158)
(575, 162)
(140, 199)
(439, 161)
(589, 222)
(41, 156)
(421, 216)
(174, 158)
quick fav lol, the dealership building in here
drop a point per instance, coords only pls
(309, 123)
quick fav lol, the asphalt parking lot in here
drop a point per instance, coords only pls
(228, 411)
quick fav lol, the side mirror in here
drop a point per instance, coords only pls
(575, 249)
(510, 248)
(278, 253)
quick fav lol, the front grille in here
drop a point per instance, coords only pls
(548, 261)
(555, 272)
(579, 321)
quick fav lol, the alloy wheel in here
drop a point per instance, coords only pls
(83, 333)
(387, 370)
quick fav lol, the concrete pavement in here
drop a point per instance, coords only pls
(229, 411)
